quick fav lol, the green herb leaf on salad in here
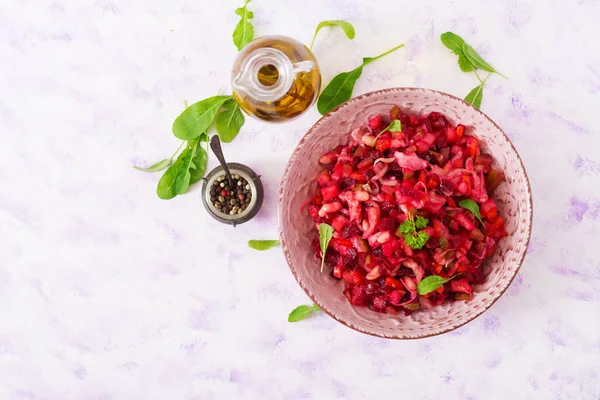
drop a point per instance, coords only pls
(229, 121)
(473, 207)
(421, 222)
(394, 126)
(416, 240)
(408, 230)
(431, 283)
(301, 312)
(325, 235)
(340, 89)
(196, 119)
(346, 26)
(244, 31)
(262, 245)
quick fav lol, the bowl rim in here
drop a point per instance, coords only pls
(284, 177)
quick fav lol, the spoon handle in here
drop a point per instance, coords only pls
(215, 145)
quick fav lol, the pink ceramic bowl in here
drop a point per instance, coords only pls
(296, 228)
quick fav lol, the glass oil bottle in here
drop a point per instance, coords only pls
(275, 78)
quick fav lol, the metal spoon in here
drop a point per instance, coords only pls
(215, 145)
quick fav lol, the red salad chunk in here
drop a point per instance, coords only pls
(400, 204)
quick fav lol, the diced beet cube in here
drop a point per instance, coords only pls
(387, 224)
(330, 192)
(489, 209)
(484, 159)
(375, 121)
(451, 136)
(339, 223)
(383, 144)
(390, 247)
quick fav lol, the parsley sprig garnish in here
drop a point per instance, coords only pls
(408, 230)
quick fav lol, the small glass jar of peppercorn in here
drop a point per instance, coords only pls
(232, 202)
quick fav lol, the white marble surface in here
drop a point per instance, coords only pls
(107, 292)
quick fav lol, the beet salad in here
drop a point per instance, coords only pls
(410, 200)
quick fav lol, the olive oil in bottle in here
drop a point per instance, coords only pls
(275, 78)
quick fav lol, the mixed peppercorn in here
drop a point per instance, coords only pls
(229, 199)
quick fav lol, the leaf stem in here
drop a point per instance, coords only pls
(477, 75)
(370, 60)
(486, 78)
(482, 82)
(177, 151)
(313, 41)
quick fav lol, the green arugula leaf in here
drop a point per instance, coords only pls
(262, 245)
(244, 31)
(477, 61)
(200, 159)
(346, 26)
(196, 119)
(301, 312)
(394, 126)
(178, 176)
(453, 42)
(204, 138)
(340, 89)
(473, 207)
(159, 166)
(183, 178)
(229, 121)
(325, 235)
(431, 283)
(475, 96)
(166, 185)
(464, 64)
(469, 60)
